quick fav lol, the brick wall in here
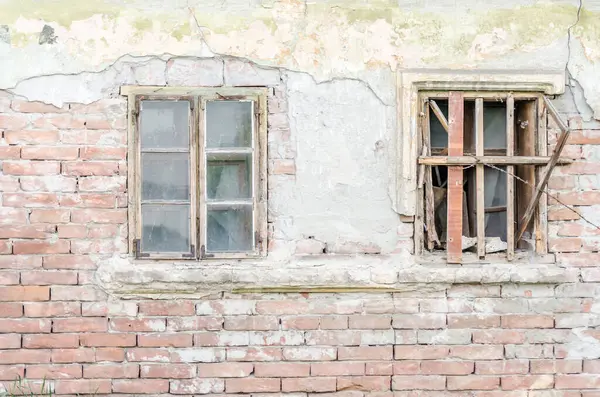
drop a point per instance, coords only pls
(63, 208)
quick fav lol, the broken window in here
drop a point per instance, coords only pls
(199, 173)
(480, 179)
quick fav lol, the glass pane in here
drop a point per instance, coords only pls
(165, 228)
(495, 225)
(164, 124)
(229, 179)
(229, 229)
(495, 187)
(165, 176)
(439, 136)
(494, 125)
(228, 124)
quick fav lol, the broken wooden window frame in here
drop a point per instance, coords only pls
(197, 98)
(519, 217)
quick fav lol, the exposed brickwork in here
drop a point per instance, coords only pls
(63, 191)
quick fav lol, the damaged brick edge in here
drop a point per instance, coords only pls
(126, 278)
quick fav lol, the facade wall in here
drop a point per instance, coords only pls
(340, 304)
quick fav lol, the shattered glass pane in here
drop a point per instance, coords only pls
(229, 230)
(438, 135)
(164, 124)
(228, 124)
(165, 176)
(495, 196)
(165, 228)
(494, 125)
(229, 179)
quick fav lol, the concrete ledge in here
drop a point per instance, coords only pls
(125, 277)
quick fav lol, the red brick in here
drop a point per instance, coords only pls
(35, 107)
(45, 371)
(10, 341)
(88, 200)
(300, 322)
(170, 371)
(31, 137)
(527, 321)
(167, 308)
(50, 216)
(500, 336)
(337, 369)
(477, 352)
(251, 323)
(103, 153)
(41, 247)
(419, 321)
(83, 386)
(281, 307)
(30, 200)
(226, 370)
(110, 354)
(21, 293)
(9, 278)
(77, 293)
(138, 325)
(9, 184)
(81, 355)
(473, 320)
(10, 152)
(24, 356)
(420, 352)
(30, 167)
(252, 385)
(502, 367)
(365, 353)
(12, 216)
(108, 340)
(447, 367)
(579, 381)
(26, 231)
(49, 153)
(102, 231)
(50, 341)
(48, 277)
(557, 366)
(165, 340)
(527, 382)
(272, 354)
(141, 386)
(148, 354)
(111, 371)
(72, 231)
(281, 370)
(194, 323)
(473, 382)
(9, 122)
(364, 383)
(334, 322)
(380, 368)
(565, 244)
(102, 184)
(11, 309)
(99, 216)
(283, 167)
(312, 385)
(11, 372)
(418, 382)
(370, 321)
(199, 386)
(90, 168)
(87, 324)
(83, 262)
(52, 309)
(62, 121)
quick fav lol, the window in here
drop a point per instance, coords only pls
(479, 172)
(197, 172)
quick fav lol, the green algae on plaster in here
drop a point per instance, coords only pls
(63, 12)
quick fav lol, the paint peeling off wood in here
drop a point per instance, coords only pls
(545, 176)
(455, 178)
(432, 236)
(479, 179)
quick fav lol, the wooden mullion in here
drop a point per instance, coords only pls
(480, 178)
(541, 215)
(138, 177)
(455, 177)
(510, 181)
(432, 237)
(201, 218)
(493, 160)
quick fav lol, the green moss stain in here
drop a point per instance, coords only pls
(142, 24)
(368, 15)
(179, 32)
(63, 12)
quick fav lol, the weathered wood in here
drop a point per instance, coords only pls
(432, 236)
(494, 160)
(526, 125)
(480, 179)
(540, 217)
(455, 178)
(545, 175)
(510, 179)
(440, 116)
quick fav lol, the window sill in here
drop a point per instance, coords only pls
(128, 278)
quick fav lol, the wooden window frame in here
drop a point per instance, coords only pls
(455, 160)
(197, 96)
